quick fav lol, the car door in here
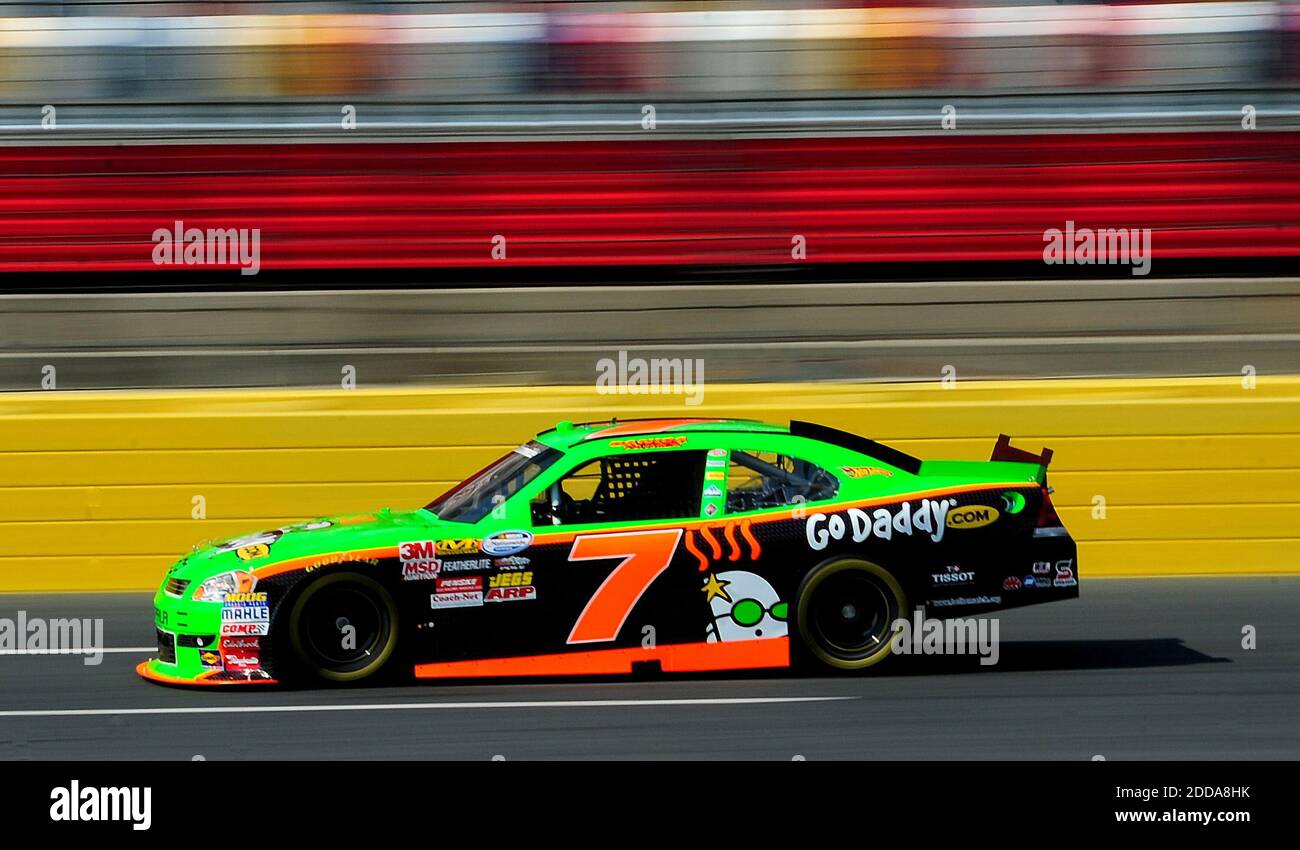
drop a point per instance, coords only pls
(750, 551)
(617, 575)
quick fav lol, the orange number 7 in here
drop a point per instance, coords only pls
(645, 554)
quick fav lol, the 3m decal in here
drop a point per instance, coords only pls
(417, 550)
(645, 555)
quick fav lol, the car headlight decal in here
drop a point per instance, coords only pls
(214, 589)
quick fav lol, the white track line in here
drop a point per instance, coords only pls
(409, 706)
(106, 650)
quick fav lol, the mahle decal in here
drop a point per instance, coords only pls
(928, 517)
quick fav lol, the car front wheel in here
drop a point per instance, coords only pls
(343, 627)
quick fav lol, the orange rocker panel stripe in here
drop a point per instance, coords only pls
(677, 658)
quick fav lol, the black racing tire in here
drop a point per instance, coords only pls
(845, 611)
(319, 615)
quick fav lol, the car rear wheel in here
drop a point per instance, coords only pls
(846, 613)
(343, 627)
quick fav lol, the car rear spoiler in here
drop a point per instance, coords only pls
(1003, 450)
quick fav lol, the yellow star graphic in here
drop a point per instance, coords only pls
(713, 588)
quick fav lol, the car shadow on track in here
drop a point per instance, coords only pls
(1022, 656)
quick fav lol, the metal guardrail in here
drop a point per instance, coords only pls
(1270, 109)
(555, 335)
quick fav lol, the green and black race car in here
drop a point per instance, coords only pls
(682, 544)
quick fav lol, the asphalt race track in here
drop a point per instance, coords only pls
(1134, 669)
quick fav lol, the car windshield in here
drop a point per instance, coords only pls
(476, 496)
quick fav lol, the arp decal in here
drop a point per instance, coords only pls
(645, 555)
(511, 594)
(928, 517)
(745, 607)
(972, 516)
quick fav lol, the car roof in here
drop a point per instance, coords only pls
(568, 434)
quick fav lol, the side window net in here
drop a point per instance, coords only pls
(625, 488)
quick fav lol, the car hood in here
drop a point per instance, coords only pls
(324, 536)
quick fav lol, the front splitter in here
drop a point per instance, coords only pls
(151, 671)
